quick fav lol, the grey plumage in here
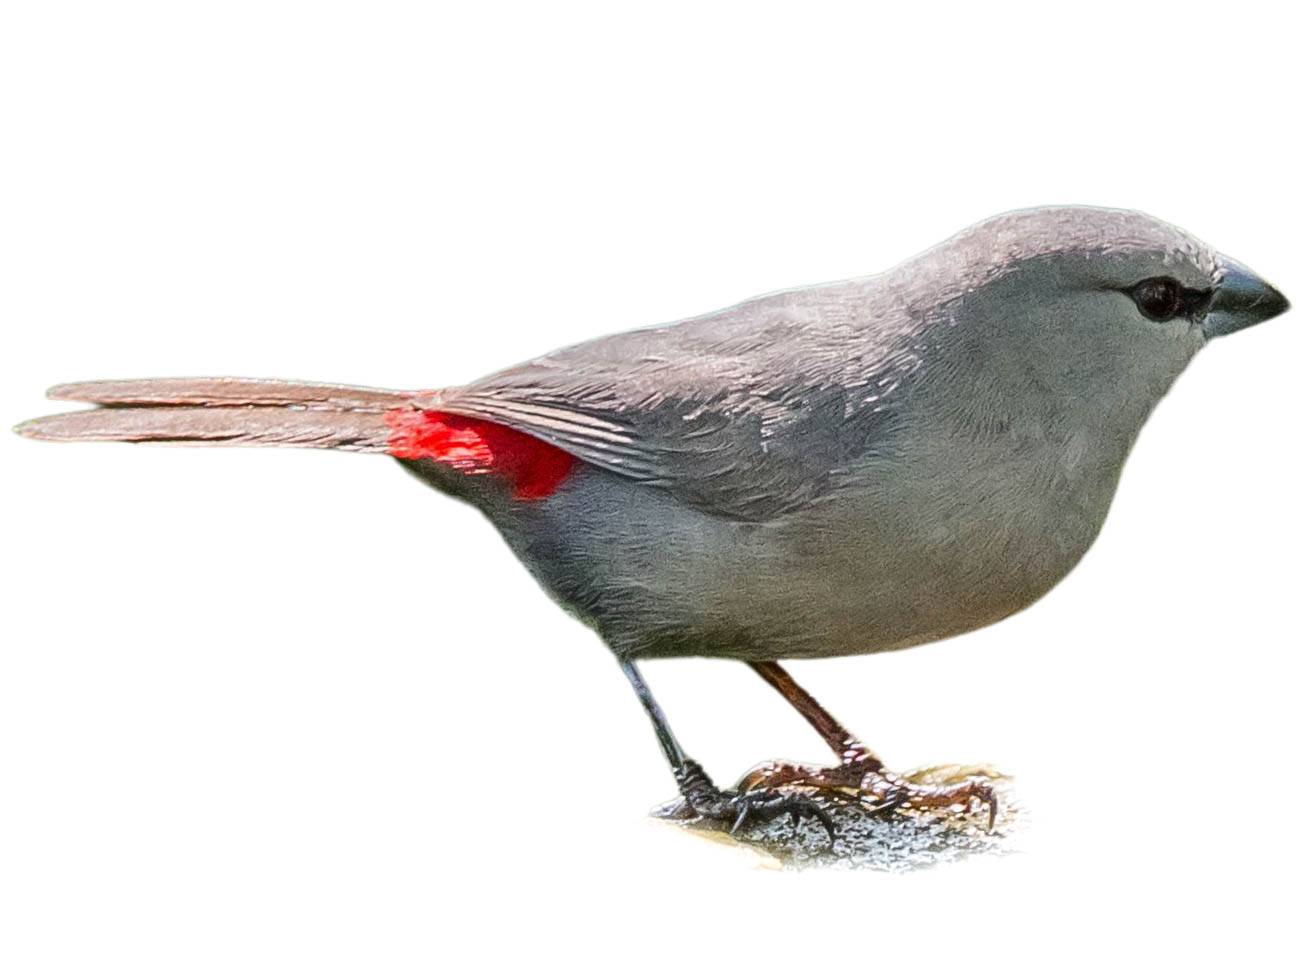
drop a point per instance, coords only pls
(755, 410)
(855, 466)
(845, 468)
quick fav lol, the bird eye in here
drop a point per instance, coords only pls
(1159, 299)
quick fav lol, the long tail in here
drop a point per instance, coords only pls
(227, 411)
(408, 425)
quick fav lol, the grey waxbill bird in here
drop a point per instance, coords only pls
(841, 469)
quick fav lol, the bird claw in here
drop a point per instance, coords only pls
(744, 809)
(802, 791)
(774, 804)
(963, 792)
(738, 808)
(865, 785)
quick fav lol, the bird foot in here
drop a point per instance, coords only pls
(863, 781)
(700, 798)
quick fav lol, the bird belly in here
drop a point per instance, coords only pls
(866, 571)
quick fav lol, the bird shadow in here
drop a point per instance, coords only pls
(895, 842)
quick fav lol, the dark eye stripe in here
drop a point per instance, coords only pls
(1163, 298)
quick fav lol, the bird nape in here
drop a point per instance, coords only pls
(841, 469)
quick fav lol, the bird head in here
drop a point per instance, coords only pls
(1102, 307)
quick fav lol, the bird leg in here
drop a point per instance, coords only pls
(701, 797)
(860, 777)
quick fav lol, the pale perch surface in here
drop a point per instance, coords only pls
(891, 842)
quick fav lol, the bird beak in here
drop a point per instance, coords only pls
(1241, 299)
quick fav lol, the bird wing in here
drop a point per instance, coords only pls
(747, 413)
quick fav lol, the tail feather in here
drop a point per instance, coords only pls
(228, 392)
(347, 430)
(225, 411)
(231, 411)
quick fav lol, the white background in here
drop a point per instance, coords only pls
(279, 713)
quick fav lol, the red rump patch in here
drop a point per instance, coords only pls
(533, 468)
